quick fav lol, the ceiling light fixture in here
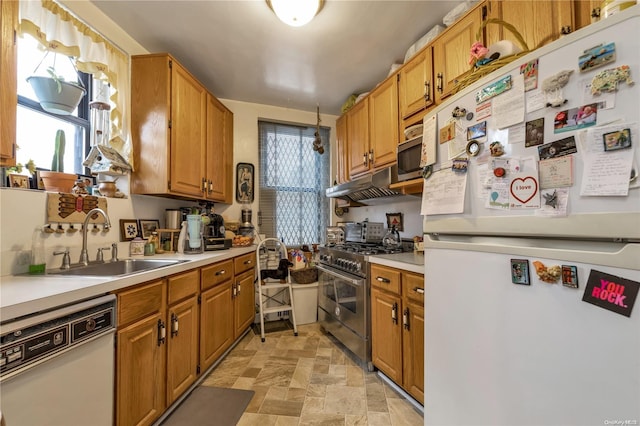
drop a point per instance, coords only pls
(296, 12)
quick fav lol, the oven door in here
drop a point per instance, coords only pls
(344, 296)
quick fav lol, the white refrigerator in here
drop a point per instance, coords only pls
(532, 267)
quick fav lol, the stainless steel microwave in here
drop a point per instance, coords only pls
(409, 159)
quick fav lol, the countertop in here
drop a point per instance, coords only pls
(409, 261)
(27, 294)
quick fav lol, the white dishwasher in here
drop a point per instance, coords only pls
(57, 367)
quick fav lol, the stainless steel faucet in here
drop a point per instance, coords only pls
(84, 255)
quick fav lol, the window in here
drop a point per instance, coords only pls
(293, 180)
(36, 128)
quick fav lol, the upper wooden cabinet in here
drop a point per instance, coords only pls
(451, 50)
(372, 130)
(383, 123)
(341, 147)
(8, 81)
(415, 85)
(219, 165)
(538, 21)
(358, 138)
(182, 135)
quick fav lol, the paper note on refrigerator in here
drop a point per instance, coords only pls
(429, 141)
(443, 193)
(508, 108)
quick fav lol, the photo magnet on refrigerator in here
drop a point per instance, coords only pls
(610, 292)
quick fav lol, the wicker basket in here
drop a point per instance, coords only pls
(305, 275)
(476, 73)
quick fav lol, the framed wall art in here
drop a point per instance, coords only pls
(147, 226)
(395, 219)
(244, 182)
(128, 229)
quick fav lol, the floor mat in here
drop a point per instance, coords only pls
(272, 326)
(213, 406)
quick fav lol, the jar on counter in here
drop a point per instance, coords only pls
(136, 247)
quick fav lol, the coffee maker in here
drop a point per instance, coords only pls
(214, 231)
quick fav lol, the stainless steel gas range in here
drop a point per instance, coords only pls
(344, 292)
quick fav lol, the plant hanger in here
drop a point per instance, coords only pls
(51, 70)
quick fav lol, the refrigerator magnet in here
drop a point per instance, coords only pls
(473, 148)
(520, 271)
(619, 139)
(570, 276)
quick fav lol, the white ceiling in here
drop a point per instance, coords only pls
(239, 50)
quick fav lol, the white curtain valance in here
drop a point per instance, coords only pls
(61, 32)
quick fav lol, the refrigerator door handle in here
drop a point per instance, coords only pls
(623, 254)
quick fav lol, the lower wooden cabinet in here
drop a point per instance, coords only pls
(397, 327)
(140, 354)
(173, 329)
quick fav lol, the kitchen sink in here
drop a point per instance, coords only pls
(117, 268)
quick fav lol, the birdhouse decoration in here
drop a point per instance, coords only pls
(106, 160)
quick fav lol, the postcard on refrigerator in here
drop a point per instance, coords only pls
(556, 172)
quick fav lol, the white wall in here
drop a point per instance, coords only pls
(409, 206)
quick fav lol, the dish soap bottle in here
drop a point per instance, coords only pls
(37, 265)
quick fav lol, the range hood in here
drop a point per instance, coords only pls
(370, 189)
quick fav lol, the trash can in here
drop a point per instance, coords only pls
(305, 299)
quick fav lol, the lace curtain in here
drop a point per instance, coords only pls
(59, 31)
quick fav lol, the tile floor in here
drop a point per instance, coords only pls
(308, 380)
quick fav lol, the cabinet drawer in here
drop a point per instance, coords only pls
(244, 262)
(215, 274)
(413, 286)
(385, 278)
(183, 285)
(138, 302)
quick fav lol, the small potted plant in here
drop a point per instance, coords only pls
(56, 95)
(56, 180)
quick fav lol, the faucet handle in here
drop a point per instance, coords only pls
(100, 256)
(66, 259)
(114, 252)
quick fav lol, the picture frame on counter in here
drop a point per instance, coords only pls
(128, 229)
(18, 181)
(148, 226)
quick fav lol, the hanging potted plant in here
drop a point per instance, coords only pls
(54, 94)
(56, 180)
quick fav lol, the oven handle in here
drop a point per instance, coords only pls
(356, 282)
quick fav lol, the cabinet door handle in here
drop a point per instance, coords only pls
(371, 156)
(248, 262)
(162, 332)
(439, 85)
(365, 160)
(394, 313)
(427, 91)
(405, 318)
(174, 325)
(220, 272)
(383, 280)
(239, 287)
(418, 290)
(234, 291)
(210, 186)
(565, 30)
(204, 185)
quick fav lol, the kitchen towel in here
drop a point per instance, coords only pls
(212, 406)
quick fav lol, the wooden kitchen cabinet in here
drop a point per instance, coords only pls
(358, 138)
(451, 50)
(538, 21)
(386, 333)
(216, 311)
(182, 333)
(219, 148)
(342, 148)
(383, 123)
(169, 122)
(413, 334)
(415, 86)
(8, 81)
(397, 327)
(586, 12)
(244, 305)
(141, 354)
